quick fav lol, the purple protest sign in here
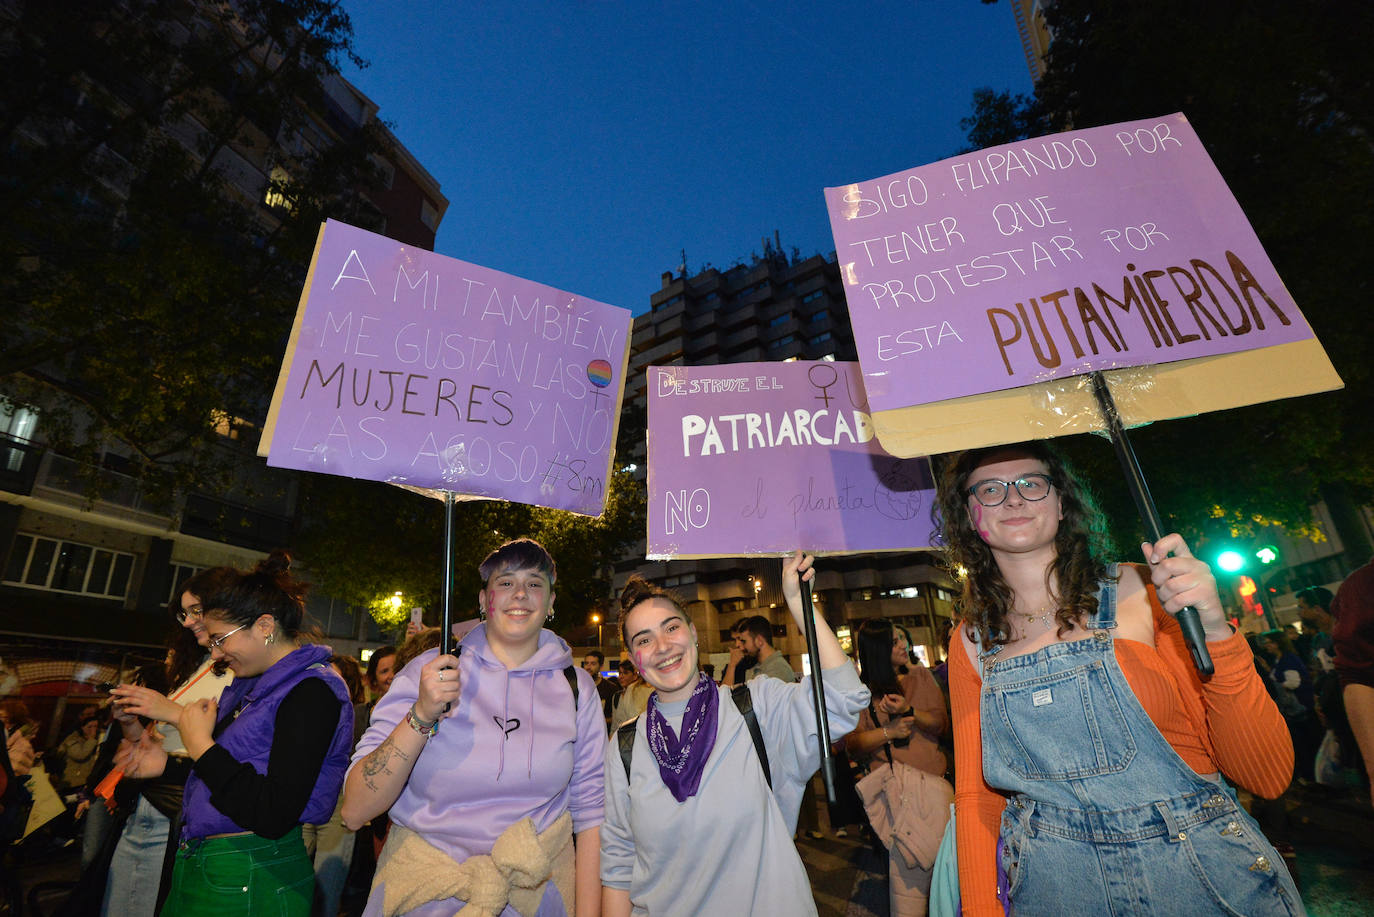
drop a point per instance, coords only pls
(1096, 249)
(758, 458)
(426, 371)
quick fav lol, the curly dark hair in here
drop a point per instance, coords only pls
(1081, 545)
(639, 590)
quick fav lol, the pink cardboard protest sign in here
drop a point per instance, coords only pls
(759, 458)
(438, 375)
(1095, 249)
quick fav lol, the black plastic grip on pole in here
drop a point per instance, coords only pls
(1187, 617)
(818, 691)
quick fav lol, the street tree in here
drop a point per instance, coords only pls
(363, 541)
(1281, 96)
(151, 278)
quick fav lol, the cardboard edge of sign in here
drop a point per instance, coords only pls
(904, 549)
(1143, 394)
(269, 428)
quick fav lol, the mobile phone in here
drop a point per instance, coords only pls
(417, 616)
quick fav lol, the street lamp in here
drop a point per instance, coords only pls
(596, 619)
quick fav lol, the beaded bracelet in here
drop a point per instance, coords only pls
(419, 725)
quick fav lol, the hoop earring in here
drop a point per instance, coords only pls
(270, 639)
(482, 614)
(548, 617)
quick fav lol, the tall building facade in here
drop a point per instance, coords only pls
(89, 559)
(774, 308)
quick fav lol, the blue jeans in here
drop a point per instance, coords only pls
(136, 869)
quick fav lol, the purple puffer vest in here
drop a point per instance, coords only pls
(248, 737)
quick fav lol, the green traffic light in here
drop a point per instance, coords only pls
(1230, 560)
(1267, 555)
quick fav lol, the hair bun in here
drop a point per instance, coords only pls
(636, 590)
(276, 563)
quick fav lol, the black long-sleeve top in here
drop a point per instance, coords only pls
(271, 805)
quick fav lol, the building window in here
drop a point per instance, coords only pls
(180, 574)
(727, 606)
(279, 182)
(777, 320)
(18, 424)
(819, 338)
(67, 566)
(781, 342)
(429, 216)
(386, 172)
(812, 297)
(334, 617)
(820, 316)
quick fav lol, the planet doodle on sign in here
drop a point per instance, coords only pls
(897, 495)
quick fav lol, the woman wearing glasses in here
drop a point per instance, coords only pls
(1088, 750)
(151, 809)
(267, 757)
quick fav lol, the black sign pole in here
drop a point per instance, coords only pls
(446, 625)
(1187, 618)
(818, 692)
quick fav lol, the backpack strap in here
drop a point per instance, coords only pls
(571, 673)
(744, 702)
(625, 736)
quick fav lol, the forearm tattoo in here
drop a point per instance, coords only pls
(377, 762)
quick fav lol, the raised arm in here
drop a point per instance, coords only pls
(794, 569)
(375, 782)
(137, 700)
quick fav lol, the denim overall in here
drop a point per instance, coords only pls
(1104, 817)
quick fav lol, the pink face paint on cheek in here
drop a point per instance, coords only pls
(978, 521)
(638, 656)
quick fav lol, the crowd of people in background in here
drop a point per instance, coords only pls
(255, 764)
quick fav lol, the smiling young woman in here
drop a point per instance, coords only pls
(267, 757)
(489, 744)
(1085, 740)
(695, 775)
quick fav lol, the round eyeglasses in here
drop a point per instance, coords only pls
(1030, 487)
(195, 611)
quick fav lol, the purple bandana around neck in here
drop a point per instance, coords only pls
(682, 760)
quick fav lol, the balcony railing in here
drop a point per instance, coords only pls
(232, 523)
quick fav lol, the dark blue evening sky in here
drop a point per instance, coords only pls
(587, 144)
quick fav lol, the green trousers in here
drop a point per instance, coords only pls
(245, 875)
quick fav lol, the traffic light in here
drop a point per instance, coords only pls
(1231, 561)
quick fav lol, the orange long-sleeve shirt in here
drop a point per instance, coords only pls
(1227, 723)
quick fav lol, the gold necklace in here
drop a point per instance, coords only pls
(1043, 616)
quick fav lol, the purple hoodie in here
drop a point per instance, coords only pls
(510, 749)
